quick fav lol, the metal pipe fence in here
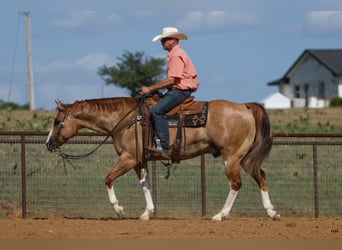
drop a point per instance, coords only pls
(304, 176)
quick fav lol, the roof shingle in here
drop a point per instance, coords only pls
(331, 58)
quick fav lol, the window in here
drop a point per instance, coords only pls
(297, 91)
(321, 89)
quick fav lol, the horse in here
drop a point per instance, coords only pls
(241, 133)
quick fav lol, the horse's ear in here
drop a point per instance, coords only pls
(60, 105)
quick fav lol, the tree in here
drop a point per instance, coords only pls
(133, 71)
(12, 106)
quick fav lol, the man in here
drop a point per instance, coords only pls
(181, 81)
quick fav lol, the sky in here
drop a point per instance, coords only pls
(237, 46)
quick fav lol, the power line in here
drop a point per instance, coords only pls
(14, 57)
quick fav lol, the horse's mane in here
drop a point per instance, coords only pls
(105, 104)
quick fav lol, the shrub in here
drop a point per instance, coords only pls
(336, 102)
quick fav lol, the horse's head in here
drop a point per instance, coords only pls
(63, 128)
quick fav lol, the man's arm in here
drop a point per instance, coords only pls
(167, 82)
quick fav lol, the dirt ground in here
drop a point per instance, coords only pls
(234, 228)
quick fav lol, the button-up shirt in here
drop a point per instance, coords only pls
(181, 67)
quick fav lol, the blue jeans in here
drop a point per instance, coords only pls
(170, 100)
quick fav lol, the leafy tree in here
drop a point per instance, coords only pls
(133, 71)
(12, 106)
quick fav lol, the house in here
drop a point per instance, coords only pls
(313, 79)
(276, 101)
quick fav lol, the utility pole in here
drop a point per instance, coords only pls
(29, 61)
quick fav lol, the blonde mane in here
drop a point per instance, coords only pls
(104, 105)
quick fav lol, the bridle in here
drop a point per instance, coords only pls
(116, 128)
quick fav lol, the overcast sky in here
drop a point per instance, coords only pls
(237, 46)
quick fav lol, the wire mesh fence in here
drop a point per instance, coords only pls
(304, 178)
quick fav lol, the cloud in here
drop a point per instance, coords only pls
(324, 22)
(70, 91)
(89, 20)
(220, 20)
(88, 62)
(76, 19)
(71, 80)
(93, 61)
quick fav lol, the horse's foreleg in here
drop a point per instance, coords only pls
(114, 201)
(233, 174)
(123, 165)
(266, 201)
(145, 184)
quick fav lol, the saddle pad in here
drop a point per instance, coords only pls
(190, 120)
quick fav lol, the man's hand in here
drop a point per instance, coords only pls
(166, 83)
(145, 90)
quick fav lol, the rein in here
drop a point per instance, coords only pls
(81, 156)
(67, 157)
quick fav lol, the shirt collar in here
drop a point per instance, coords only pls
(174, 49)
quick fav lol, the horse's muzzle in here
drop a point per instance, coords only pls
(52, 146)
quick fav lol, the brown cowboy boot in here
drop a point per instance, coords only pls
(158, 153)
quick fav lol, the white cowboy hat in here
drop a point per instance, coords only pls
(170, 32)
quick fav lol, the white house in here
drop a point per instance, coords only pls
(313, 79)
(276, 101)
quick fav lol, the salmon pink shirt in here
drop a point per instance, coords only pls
(181, 67)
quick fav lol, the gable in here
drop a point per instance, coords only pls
(331, 59)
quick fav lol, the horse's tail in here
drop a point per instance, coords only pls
(262, 144)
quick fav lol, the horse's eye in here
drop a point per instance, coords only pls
(58, 123)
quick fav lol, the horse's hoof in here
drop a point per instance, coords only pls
(146, 214)
(119, 210)
(276, 217)
(217, 217)
(144, 217)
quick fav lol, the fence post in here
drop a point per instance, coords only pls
(315, 178)
(23, 176)
(203, 186)
(154, 188)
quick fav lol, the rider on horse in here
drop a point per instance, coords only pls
(181, 81)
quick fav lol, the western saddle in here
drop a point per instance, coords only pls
(189, 113)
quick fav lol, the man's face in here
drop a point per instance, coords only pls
(168, 43)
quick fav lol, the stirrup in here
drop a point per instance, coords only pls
(158, 153)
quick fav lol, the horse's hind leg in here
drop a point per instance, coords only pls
(233, 173)
(266, 201)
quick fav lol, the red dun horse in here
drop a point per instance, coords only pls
(241, 133)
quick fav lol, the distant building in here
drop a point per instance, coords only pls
(313, 79)
(276, 101)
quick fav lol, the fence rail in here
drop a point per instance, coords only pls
(304, 176)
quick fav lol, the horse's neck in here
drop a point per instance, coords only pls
(105, 121)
